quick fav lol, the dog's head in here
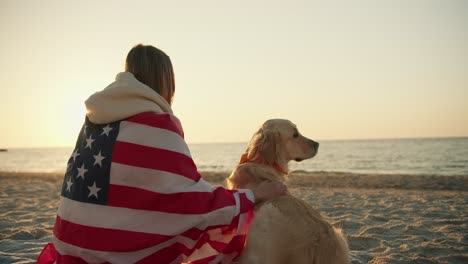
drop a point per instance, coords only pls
(279, 141)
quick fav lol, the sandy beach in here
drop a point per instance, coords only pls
(386, 218)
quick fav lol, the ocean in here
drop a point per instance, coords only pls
(428, 156)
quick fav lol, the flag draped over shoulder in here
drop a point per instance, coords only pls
(132, 194)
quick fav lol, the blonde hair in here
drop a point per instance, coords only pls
(151, 66)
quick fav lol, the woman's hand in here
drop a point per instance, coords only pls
(268, 190)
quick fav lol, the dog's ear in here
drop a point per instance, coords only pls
(264, 145)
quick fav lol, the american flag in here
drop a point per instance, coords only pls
(132, 194)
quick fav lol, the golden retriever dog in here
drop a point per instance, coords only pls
(286, 229)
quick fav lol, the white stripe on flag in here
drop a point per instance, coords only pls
(237, 198)
(242, 227)
(204, 252)
(151, 137)
(155, 180)
(248, 193)
(140, 220)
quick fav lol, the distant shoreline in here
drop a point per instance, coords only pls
(246, 142)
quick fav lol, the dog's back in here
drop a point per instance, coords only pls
(289, 230)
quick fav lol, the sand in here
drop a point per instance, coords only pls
(386, 218)
(28, 203)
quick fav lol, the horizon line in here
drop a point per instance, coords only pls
(244, 142)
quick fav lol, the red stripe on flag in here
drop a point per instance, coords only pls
(217, 245)
(102, 239)
(232, 228)
(48, 254)
(70, 259)
(178, 203)
(154, 158)
(245, 203)
(164, 121)
(237, 244)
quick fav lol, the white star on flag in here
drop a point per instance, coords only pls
(89, 141)
(81, 171)
(98, 159)
(69, 184)
(75, 154)
(93, 190)
(84, 129)
(106, 130)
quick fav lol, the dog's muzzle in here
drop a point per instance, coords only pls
(316, 145)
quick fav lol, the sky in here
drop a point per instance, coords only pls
(337, 69)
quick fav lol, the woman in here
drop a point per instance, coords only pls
(132, 193)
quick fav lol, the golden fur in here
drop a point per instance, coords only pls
(286, 229)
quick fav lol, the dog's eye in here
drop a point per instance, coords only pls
(296, 135)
